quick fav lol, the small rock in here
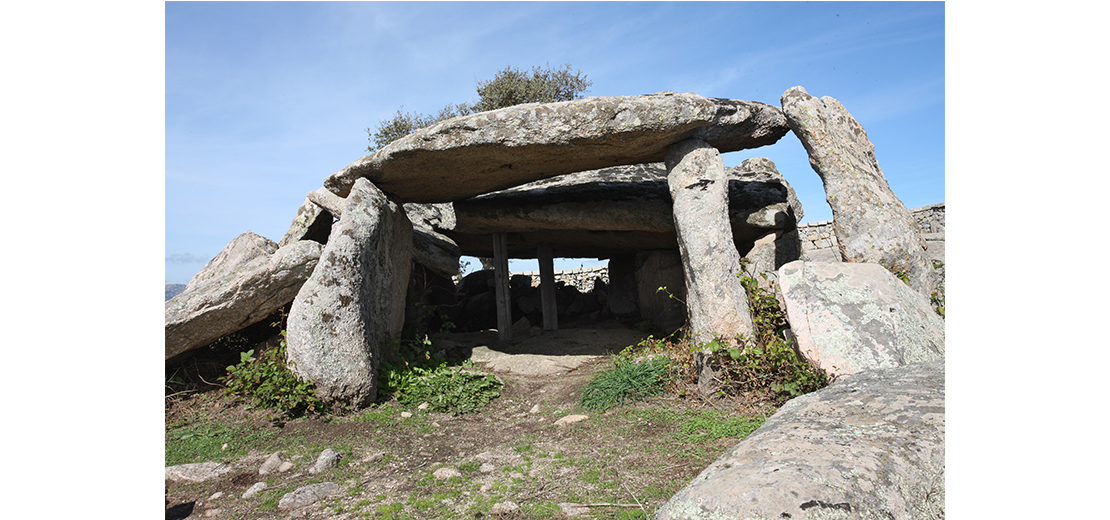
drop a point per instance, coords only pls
(271, 465)
(254, 490)
(570, 509)
(487, 467)
(423, 406)
(213, 512)
(307, 495)
(507, 506)
(484, 488)
(198, 472)
(216, 495)
(285, 466)
(535, 409)
(374, 457)
(406, 415)
(446, 473)
(570, 419)
(224, 447)
(327, 460)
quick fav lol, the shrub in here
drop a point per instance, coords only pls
(509, 87)
(269, 383)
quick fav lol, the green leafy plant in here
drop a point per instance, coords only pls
(899, 272)
(629, 380)
(269, 383)
(456, 390)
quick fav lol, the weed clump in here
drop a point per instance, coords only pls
(416, 376)
(269, 383)
(629, 380)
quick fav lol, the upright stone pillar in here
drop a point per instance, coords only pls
(503, 298)
(871, 224)
(354, 301)
(715, 298)
(546, 259)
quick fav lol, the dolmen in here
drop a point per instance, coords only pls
(637, 179)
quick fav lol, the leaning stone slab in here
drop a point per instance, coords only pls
(238, 299)
(198, 472)
(869, 446)
(307, 495)
(852, 317)
(431, 248)
(870, 222)
(354, 300)
(488, 151)
(237, 254)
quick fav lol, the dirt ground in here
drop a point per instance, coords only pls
(510, 460)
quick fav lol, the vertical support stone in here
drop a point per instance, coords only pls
(501, 286)
(547, 287)
(715, 298)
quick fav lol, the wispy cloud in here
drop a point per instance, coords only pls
(184, 258)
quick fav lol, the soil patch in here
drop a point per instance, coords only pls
(510, 460)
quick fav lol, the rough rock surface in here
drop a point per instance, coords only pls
(312, 222)
(197, 472)
(354, 300)
(715, 299)
(231, 302)
(488, 151)
(431, 248)
(852, 317)
(234, 257)
(869, 446)
(307, 495)
(870, 222)
(616, 210)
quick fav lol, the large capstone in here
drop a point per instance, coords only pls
(871, 224)
(354, 301)
(488, 151)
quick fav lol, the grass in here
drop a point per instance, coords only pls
(628, 381)
(214, 441)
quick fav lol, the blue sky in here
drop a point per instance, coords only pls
(264, 100)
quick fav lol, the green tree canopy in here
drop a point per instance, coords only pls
(508, 87)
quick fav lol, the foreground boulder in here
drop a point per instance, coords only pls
(355, 299)
(848, 317)
(870, 446)
(871, 224)
(243, 296)
(488, 151)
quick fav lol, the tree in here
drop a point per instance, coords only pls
(508, 87)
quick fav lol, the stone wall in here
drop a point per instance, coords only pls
(581, 278)
(819, 235)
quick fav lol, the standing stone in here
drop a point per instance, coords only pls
(655, 270)
(870, 222)
(715, 298)
(355, 299)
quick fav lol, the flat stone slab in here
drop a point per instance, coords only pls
(550, 353)
(197, 472)
(870, 446)
(479, 153)
(616, 210)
